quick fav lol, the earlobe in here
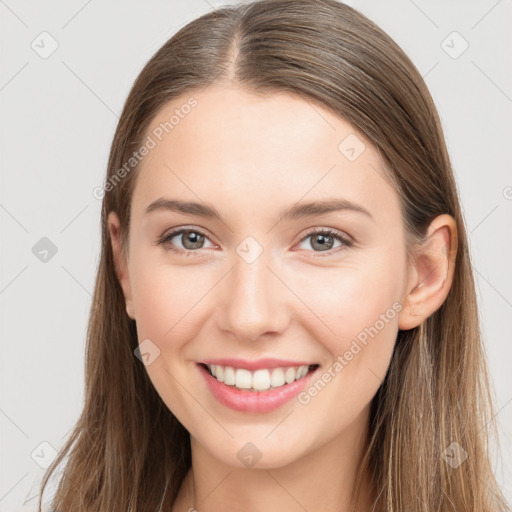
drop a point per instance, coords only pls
(431, 277)
(120, 262)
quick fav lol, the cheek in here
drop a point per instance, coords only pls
(358, 306)
(350, 298)
(164, 300)
(164, 297)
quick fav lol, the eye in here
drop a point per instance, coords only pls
(323, 240)
(190, 239)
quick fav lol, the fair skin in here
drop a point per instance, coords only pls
(249, 157)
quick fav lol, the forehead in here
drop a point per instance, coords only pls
(256, 152)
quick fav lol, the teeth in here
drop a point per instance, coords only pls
(243, 379)
(290, 375)
(229, 375)
(277, 378)
(259, 380)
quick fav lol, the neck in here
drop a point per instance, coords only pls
(323, 479)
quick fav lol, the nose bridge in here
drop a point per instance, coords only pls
(254, 302)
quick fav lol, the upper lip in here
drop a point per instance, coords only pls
(258, 364)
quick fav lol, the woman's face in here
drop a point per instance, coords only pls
(251, 283)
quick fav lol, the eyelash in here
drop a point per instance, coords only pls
(346, 242)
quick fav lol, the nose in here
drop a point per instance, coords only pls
(254, 301)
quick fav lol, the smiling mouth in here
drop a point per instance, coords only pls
(258, 380)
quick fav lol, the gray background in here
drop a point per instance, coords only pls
(57, 120)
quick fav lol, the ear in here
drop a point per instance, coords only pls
(431, 274)
(120, 261)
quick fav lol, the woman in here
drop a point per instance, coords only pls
(284, 314)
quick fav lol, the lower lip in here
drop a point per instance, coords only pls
(254, 401)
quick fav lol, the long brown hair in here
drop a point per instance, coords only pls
(128, 452)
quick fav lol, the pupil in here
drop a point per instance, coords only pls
(325, 241)
(192, 238)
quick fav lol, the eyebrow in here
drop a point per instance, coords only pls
(296, 211)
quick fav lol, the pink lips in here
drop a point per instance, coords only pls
(268, 362)
(254, 401)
